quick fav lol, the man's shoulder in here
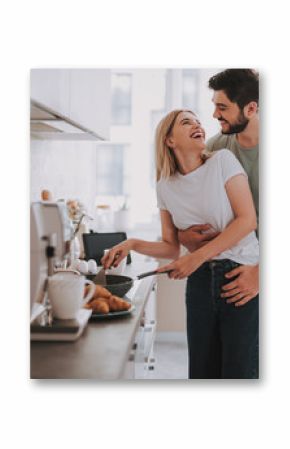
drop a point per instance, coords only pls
(220, 141)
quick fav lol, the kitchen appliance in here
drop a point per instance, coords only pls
(50, 236)
(45, 123)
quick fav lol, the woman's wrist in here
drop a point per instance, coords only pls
(132, 244)
(200, 254)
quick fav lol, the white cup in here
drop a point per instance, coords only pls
(119, 269)
(66, 294)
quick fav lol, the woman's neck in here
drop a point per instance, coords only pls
(188, 162)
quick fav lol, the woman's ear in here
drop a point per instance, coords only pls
(169, 142)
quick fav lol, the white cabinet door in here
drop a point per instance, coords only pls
(82, 95)
(51, 87)
(90, 103)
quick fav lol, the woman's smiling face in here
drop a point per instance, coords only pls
(187, 132)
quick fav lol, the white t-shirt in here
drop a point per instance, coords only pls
(200, 197)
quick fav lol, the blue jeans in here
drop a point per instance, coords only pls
(222, 338)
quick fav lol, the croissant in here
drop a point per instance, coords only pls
(101, 292)
(116, 304)
(100, 306)
(126, 305)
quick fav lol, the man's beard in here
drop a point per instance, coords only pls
(237, 127)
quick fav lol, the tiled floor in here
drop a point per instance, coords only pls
(171, 356)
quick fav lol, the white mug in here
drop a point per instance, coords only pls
(66, 294)
(119, 269)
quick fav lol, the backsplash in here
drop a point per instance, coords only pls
(67, 169)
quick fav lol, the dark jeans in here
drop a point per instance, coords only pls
(222, 338)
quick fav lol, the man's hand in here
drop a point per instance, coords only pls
(195, 237)
(245, 287)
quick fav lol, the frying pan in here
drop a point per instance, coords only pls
(119, 285)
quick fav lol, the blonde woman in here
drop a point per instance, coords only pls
(193, 188)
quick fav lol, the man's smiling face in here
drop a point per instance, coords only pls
(230, 116)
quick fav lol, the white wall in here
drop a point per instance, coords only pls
(67, 169)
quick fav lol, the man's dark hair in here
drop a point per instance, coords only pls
(240, 85)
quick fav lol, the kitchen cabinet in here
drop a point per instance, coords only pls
(81, 95)
(90, 103)
(51, 87)
(171, 310)
(142, 352)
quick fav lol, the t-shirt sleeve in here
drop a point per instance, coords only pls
(160, 200)
(230, 166)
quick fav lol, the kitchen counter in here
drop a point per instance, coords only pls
(104, 348)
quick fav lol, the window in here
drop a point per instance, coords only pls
(140, 99)
(111, 176)
(190, 89)
(121, 99)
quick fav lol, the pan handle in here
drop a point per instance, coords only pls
(151, 273)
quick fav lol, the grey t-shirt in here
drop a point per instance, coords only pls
(248, 157)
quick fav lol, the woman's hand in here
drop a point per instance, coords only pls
(116, 254)
(184, 266)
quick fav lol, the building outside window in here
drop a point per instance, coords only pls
(190, 89)
(110, 168)
(121, 105)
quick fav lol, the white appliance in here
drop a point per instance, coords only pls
(50, 235)
(51, 232)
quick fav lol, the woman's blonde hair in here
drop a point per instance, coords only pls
(166, 163)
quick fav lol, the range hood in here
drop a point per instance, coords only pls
(46, 124)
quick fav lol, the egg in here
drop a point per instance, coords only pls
(75, 263)
(83, 266)
(92, 266)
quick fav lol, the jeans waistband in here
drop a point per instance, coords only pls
(220, 263)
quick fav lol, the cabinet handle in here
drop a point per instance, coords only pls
(145, 325)
(149, 360)
(149, 328)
